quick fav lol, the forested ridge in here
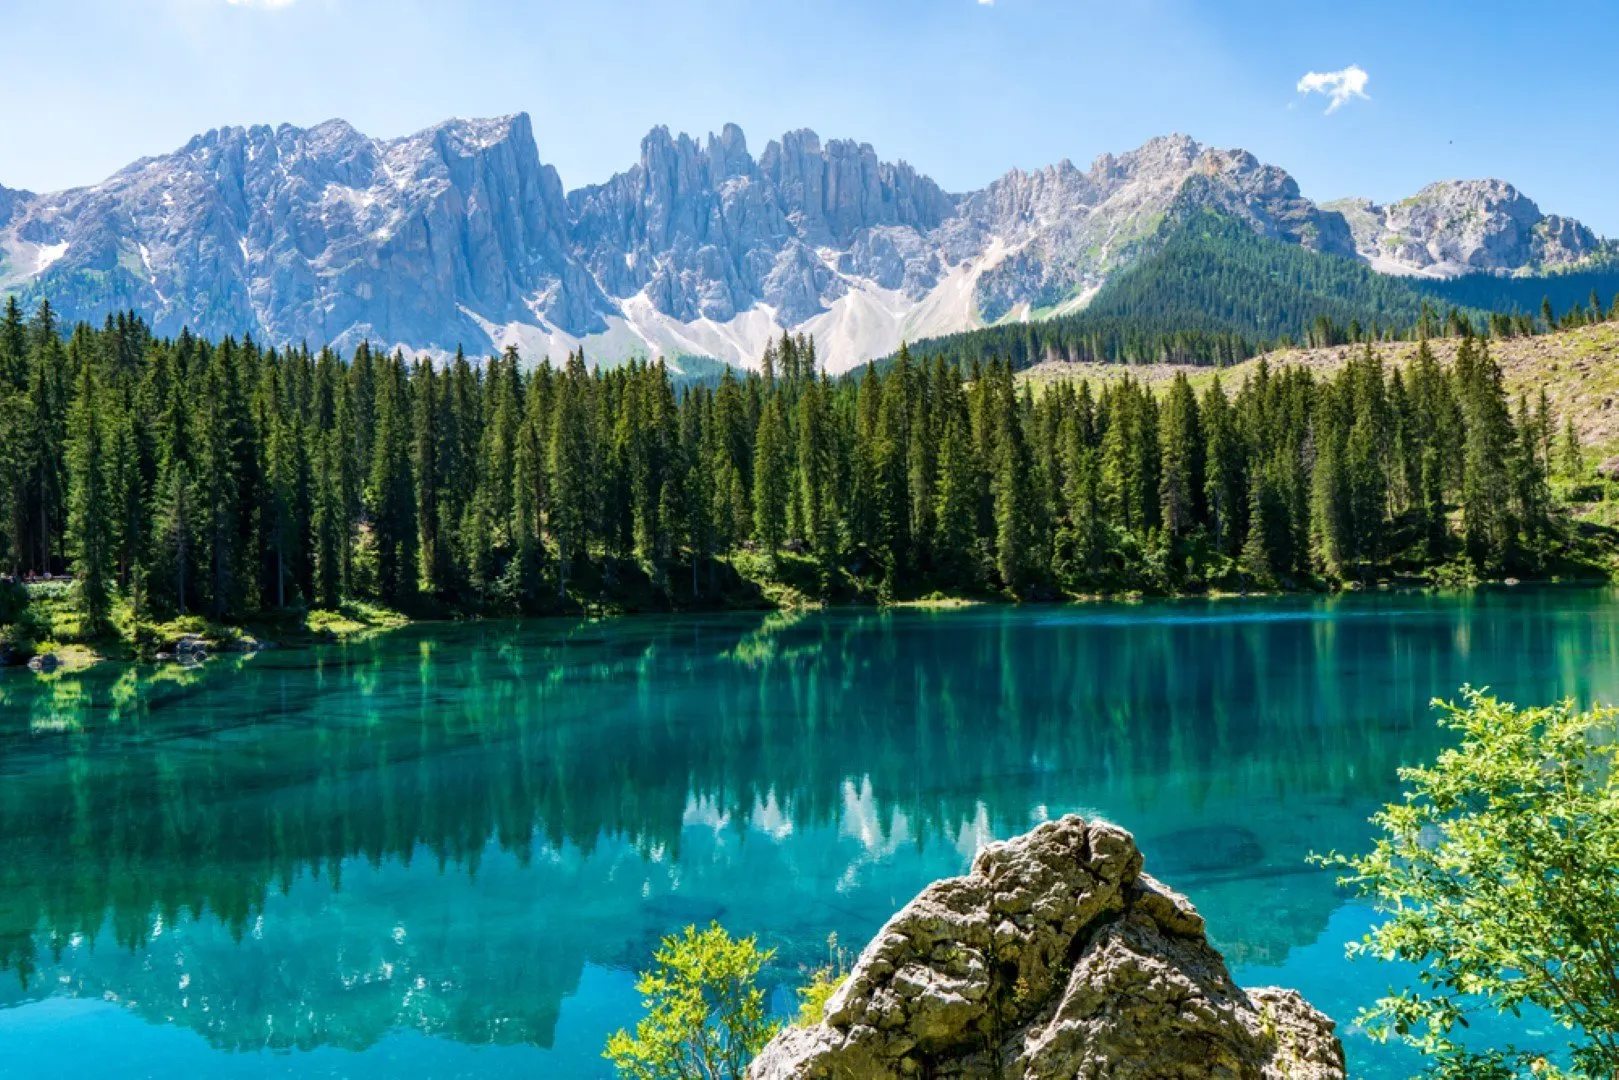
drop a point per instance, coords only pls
(1214, 292)
(1565, 292)
(223, 478)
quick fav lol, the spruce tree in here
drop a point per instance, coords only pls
(1223, 467)
(90, 515)
(770, 478)
(1572, 461)
(175, 513)
(1487, 522)
(1181, 484)
(568, 454)
(816, 480)
(390, 493)
(1331, 524)
(426, 461)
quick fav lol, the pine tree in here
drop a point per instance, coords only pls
(175, 516)
(219, 479)
(1572, 462)
(1487, 522)
(1331, 525)
(1223, 465)
(955, 505)
(44, 436)
(568, 453)
(1263, 550)
(390, 493)
(1531, 497)
(1082, 543)
(426, 458)
(526, 568)
(1014, 557)
(90, 514)
(1130, 459)
(891, 490)
(130, 477)
(1181, 487)
(863, 479)
(329, 521)
(770, 478)
(816, 479)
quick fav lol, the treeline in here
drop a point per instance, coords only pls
(1215, 293)
(1577, 294)
(228, 479)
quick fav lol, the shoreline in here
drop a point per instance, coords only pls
(195, 640)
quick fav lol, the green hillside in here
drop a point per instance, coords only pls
(1213, 293)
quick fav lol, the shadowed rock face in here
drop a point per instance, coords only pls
(1055, 957)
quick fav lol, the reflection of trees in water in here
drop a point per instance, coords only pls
(571, 767)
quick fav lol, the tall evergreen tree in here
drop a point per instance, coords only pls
(90, 517)
(1181, 485)
(770, 478)
(390, 493)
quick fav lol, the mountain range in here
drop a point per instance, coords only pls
(460, 235)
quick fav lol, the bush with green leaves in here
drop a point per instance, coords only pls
(706, 1016)
(1499, 874)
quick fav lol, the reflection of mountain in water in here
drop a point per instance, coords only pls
(439, 829)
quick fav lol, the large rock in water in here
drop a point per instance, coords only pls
(1055, 957)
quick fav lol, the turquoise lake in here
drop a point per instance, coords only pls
(445, 851)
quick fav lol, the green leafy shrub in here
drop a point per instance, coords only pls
(1499, 874)
(705, 1011)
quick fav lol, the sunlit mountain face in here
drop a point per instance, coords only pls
(701, 250)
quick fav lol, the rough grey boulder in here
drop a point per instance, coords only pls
(1055, 957)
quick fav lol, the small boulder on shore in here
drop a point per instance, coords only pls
(1056, 957)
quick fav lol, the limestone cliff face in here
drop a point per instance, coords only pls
(462, 235)
(319, 235)
(707, 232)
(1056, 957)
(1467, 226)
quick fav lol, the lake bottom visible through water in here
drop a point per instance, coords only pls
(445, 851)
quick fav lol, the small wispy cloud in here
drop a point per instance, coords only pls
(1339, 86)
(260, 3)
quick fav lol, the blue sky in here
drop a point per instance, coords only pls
(962, 89)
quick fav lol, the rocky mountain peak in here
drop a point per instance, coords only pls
(461, 235)
(1456, 227)
(10, 202)
(472, 136)
(729, 151)
(1162, 155)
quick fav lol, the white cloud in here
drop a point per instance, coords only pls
(1339, 86)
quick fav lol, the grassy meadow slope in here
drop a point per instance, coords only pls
(1578, 369)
